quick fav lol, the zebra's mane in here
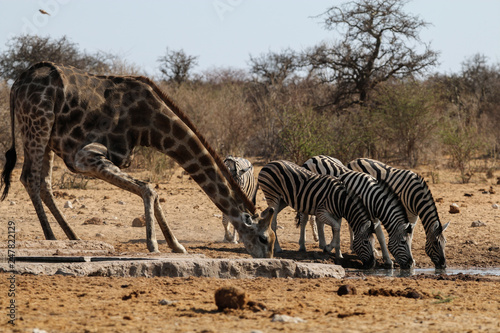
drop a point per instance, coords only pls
(386, 188)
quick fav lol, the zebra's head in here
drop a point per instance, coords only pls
(434, 245)
(256, 233)
(400, 245)
(364, 244)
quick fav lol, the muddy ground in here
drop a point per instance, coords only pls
(440, 303)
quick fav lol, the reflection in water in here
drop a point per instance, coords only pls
(430, 271)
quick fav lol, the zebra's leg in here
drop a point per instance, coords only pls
(383, 246)
(321, 233)
(302, 223)
(325, 217)
(314, 227)
(351, 238)
(278, 207)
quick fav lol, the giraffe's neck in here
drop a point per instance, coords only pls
(203, 165)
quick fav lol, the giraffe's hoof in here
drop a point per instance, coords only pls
(153, 247)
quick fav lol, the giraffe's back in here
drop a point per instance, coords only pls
(115, 111)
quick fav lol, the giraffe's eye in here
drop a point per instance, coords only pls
(263, 239)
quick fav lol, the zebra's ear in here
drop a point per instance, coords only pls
(375, 225)
(243, 171)
(409, 228)
(445, 226)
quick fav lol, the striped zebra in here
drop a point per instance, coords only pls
(417, 198)
(286, 184)
(381, 202)
(242, 171)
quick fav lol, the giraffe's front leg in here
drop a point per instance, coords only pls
(91, 160)
(172, 241)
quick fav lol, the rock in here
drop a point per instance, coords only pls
(166, 302)
(94, 220)
(468, 194)
(139, 222)
(454, 209)
(492, 190)
(99, 235)
(439, 200)
(494, 249)
(121, 202)
(495, 206)
(230, 298)
(470, 242)
(12, 203)
(162, 200)
(346, 289)
(287, 319)
(478, 223)
(68, 204)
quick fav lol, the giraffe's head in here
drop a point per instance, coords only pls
(256, 233)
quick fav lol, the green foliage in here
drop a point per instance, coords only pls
(71, 180)
(406, 115)
(303, 135)
(160, 167)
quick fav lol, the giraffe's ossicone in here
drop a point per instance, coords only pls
(93, 123)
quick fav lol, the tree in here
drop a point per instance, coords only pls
(379, 41)
(406, 117)
(25, 50)
(274, 68)
(176, 65)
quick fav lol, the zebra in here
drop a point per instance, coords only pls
(417, 198)
(382, 204)
(287, 184)
(242, 171)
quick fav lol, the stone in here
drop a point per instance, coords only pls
(68, 204)
(478, 223)
(175, 266)
(121, 202)
(230, 298)
(94, 220)
(346, 289)
(139, 222)
(166, 302)
(12, 203)
(495, 206)
(287, 319)
(454, 208)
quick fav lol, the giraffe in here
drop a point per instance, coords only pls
(93, 123)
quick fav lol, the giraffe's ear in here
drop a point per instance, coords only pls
(266, 217)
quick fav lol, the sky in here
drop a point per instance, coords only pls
(224, 33)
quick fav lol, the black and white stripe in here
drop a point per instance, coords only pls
(242, 171)
(286, 184)
(381, 202)
(416, 197)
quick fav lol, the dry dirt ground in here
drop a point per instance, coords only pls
(457, 303)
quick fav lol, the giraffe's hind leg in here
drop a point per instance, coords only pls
(48, 197)
(91, 160)
(31, 179)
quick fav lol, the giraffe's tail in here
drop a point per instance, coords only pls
(10, 155)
